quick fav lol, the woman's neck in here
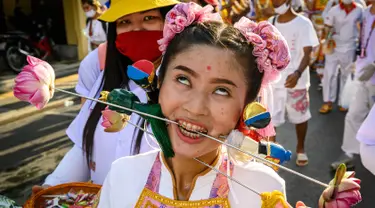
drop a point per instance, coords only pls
(185, 171)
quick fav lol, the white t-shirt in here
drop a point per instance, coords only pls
(366, 135)
(332, 3)
(298, 33)
(123, 186)
(98, 34)
(368, 19)
(107, 146)
(344, 26)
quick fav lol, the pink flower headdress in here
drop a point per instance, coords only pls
(183, 15)
(272, 56)
(270, 47)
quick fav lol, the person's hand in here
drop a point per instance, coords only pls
(343, 190)
(292, 80)
(36, 189)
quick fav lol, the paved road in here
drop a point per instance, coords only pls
(323, 144)
(31, 148)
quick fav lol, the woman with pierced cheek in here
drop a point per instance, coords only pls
(133, 30)
(202, 93)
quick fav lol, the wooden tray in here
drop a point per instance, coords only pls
(37, 201)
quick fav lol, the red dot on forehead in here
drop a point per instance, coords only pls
(208, 68)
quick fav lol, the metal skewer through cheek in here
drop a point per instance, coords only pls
(205, 135)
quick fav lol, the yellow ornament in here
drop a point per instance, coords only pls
(103, 96)
(271, 199)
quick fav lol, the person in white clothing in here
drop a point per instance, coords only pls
(332, 3)
(342, 23)
(96, 30)
(132, 36)
(202, 92)
(365, 89)
(291, 92)
(366, 137)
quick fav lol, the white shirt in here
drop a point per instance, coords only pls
(368, 19)
(298, 33)
(123, 186)
(366, 136)
(107, 146)
(344, 27)
(98, 34)
(331, 3)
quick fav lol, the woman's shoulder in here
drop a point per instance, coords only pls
(259, 176)
(88, 73)
(146, 159)
(132, 170)
(90, 62)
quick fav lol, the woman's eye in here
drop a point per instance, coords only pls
(125, 22)
(222, 91)
(183, 80)
(148, 18)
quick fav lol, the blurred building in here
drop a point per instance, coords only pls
(68, 22)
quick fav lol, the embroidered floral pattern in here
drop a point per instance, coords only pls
(153, 180)
(220, 188)
(301, 100)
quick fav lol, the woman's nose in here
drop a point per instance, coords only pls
(138, 26)
(197, 105)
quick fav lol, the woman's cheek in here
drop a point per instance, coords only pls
(154, 26)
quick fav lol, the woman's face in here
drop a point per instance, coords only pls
(204, 89)
(147, 20)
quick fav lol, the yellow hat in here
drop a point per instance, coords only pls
(121, 8)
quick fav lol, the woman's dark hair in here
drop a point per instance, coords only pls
(202, 3)
(114, 77)
(89, 2)
(221, 36)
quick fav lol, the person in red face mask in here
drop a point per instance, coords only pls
(134, 27)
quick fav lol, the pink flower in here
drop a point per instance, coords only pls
(348, 193)
(270, 47)
(36, 83)
(183, 15)
(113, 121)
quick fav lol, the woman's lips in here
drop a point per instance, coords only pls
(183, 134)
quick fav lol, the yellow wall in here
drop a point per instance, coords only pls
(74, 25)
(74, 21)
(9, 6)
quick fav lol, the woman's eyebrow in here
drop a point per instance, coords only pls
(214, 80)
(223, 81)
(187, 70)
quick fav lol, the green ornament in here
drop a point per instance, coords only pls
(128, 99)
